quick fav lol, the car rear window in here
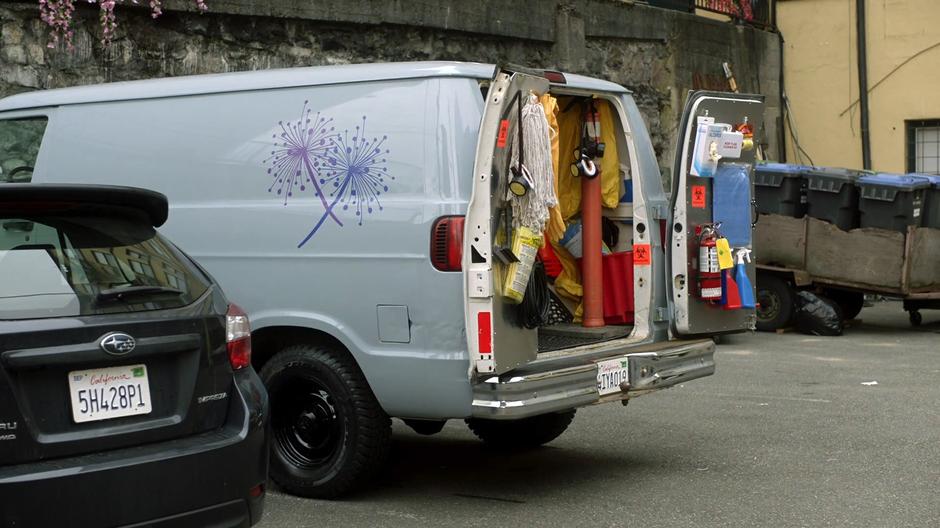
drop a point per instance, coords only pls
(61, 266)
(19, 148)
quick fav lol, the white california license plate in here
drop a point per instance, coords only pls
(112, 392)
(610, 374)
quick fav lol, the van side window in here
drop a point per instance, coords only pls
(484, 88)
(19, 147)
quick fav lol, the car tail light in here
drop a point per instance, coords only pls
(256, 491)
(447, 243)
(238, 337)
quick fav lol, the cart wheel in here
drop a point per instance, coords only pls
(851, 302)
(916, 318)
(776, 301)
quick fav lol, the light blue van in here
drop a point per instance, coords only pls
(352, 211)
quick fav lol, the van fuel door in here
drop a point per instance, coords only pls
(495, 343)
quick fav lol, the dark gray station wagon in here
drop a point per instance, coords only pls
(127, 395)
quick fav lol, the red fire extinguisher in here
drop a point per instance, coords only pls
(709, 272)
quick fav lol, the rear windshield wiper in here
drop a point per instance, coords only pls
(112, 294)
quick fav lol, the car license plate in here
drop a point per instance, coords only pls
(112, 392)
(610, 374)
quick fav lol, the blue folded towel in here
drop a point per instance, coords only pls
(731, 202)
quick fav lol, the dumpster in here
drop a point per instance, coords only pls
(891, 201)
(931, 201)
(780, 188)
(831, 195)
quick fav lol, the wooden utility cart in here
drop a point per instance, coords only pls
(807, 253)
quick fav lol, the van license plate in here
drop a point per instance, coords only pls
(112, 392)
(610, 374)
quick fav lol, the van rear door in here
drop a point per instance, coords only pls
(486, 231)
(713, 184)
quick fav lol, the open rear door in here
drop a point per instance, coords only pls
(496, 343)
(713, 182)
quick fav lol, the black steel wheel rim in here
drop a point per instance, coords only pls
(768, 305)
(308, 426)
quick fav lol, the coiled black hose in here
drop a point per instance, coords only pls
(534, 309)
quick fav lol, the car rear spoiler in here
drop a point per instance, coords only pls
(23, 198)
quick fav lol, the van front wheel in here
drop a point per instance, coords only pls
(524, 433)
(329, 434)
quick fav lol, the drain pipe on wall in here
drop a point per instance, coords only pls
(782, 127)
(860, 36)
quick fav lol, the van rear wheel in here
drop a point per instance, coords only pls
(524, 433)
(329, 434)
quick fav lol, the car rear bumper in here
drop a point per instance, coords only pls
(197, 481)
(549, 386)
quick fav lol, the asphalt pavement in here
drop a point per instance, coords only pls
(792, 430)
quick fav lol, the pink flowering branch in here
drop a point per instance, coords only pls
(57, 14)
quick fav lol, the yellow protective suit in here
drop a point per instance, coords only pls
(555, 227)
(569, 123)
(569, 140)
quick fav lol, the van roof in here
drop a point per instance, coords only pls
(268, 79)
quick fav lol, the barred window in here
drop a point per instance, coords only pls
(923, 146)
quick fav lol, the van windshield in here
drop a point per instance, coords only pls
(19, 148)
(83, 265)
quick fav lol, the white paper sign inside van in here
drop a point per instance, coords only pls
(713, 141)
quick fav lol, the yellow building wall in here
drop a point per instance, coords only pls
(821, 77)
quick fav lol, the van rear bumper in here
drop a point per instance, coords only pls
(539, 389)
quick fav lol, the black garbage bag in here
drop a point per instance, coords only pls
(817, 315)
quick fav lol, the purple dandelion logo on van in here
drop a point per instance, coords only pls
(298, 154)
(347, 171)
(354, 174)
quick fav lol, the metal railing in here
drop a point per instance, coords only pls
(756, 12)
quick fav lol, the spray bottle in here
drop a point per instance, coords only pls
(740, 277)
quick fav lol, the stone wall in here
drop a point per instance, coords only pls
(657, 53)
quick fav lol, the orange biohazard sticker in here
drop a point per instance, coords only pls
(503, 133)
(641, 254)
(698, 196)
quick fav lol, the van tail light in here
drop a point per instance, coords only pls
(554, 77)
(238, 337)
(447, 243)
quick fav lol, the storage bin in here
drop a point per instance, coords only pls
(831, 195)
(931, 216)
(617, 280)
(780, 188)
(618, 287)
(891, 201)
(549, 259)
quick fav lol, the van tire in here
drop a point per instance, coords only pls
(524, 433)
(329, 435)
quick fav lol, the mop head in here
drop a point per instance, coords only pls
(531, 209)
